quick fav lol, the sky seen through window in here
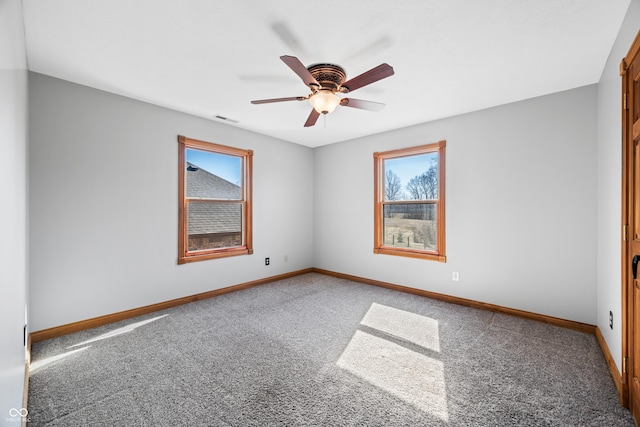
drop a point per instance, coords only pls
(223, 165)
(410, 166)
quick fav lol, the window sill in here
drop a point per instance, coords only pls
(203, 256)
(432, 256)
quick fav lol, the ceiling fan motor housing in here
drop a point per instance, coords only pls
(330, 76)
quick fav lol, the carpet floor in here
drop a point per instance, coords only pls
(314, 350)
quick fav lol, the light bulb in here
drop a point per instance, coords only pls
(324, 101)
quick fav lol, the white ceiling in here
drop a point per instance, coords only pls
(212, 57)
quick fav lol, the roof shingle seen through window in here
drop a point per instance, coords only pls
(211, 218)
(206, 185)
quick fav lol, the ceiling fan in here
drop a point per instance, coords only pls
(324, 81)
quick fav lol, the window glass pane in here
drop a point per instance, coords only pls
(411, 177)
(411, 226)
(214, 225)
(213, 175)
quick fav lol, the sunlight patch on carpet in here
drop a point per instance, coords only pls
(44, 362)
(419, 330)
(410, 376)
(119, 331)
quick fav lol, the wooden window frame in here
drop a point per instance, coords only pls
(246, 248)
(379, 202)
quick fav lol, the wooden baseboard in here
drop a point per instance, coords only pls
(569, 324)
(58, 331)
(613, 368)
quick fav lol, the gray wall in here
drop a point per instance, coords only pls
(521, 203)
(13, 243)
(104, 204)
(521, 206)
(13, 209)
(609, 185)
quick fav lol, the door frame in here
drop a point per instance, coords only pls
(628, 189)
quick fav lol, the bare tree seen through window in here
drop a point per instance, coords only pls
(393, 187)
(425, 185)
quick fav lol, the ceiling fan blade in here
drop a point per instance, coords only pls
(361, 104)
(299, 68)
(373, 75)
(267, 101)
(369, 51)
(283, 31)
(312, 119)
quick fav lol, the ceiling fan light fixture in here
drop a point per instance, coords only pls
(324, 101)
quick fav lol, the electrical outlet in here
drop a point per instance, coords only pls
(611, 319)
(286, 258)
(455, 276)
(266, 261)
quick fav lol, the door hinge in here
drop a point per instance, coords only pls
(625, 362)
(624, 102)
(625, 232)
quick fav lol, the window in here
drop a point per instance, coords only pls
(409, 202)
(214, 213)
